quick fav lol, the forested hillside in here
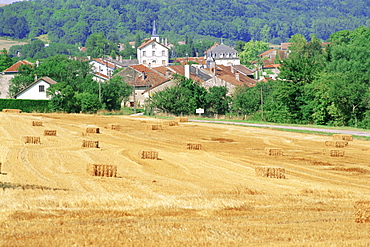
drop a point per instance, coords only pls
(72, 21)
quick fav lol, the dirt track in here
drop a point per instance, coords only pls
(218, 177)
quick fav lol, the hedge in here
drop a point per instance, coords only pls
(26, 105)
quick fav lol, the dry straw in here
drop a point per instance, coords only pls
(149, 155)
(50, 132)
(194, 146)
(31, 139)
(182, 119)
(336, 153)
(270, 172)
(36, 123)
(114, 126)
(274, 151)
(12, 110)
(93, 130)
(171, 123)
(342, 137)
(90, 144)
(154, 127)
(101, 170)
(362, 212)
(337, 144)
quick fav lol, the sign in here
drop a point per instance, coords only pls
(199, 110)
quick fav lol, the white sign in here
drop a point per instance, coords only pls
(199, 110)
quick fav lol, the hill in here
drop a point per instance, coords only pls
(274, 21)
(7, 43)
(208, 197)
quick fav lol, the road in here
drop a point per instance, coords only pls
(334, 131)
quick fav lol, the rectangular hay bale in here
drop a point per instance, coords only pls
(274, 151)
(36, 123)
(337, 144)
(114, 126)
(90, 144)
(171, 123)
(32, 139)
(194, 146)
(362, 212)
(149, 155)
(270, 172)
(101, 170)
(342, 137)
(182, 119)
(154, 127)
(94, 130)
(12, 110)
(337, 153)
(50, 132)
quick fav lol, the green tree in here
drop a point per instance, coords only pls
(217, 100)
(5, 60)
(114, 91)
(251, 50)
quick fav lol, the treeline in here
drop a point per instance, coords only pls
(73, 21)
(325, 86)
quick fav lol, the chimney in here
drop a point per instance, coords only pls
(35, 77)
(168, 73)
(120, 59)
(187, 71)
(237, 76)
(212, 66)
(197, 70)
(232, 69)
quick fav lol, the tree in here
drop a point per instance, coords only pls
(114, 91)
(251, 50)
(217, 100)
(5, 60)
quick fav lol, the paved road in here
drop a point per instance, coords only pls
(349, 132)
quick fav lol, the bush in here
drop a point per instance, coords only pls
(25, 105)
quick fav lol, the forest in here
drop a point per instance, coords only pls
(274, 21)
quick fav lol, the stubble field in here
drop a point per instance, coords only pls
(207, 197)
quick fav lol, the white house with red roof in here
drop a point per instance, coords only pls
(7, 75)
(36, 90)
(103, 69)
(152, 53)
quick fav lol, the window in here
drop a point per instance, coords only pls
(144, 61)
(153, 53)
(163, 62)
(163, 53)
(153, 46)
(41, 88)
(144, 53)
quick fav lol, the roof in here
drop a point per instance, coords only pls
(180, 69)
(14, 68)
(45, 78)
(198, 60)
(266, 53)
(223, 48)
(244, 70)
(104, 62)
(150, 41)
(223, 70)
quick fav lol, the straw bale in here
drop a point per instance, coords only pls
(50, 132)
(36, 123)
(154, 127)
(90, 144)
(149, 155)
(274, 151)
(32, 139)
(101, 170)
(337, 144)
(12, 110)
(194, 146)
(336, 153)
(342, 137)
(171, 123)
(362, 212)
(92, 130)
(114, 126)
(270, 172)
(182, 119)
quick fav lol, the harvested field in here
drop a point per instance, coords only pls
(186, 198)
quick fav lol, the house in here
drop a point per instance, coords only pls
(36, 90)
(7, 75)
(152, 53)
(102, 69)
(222, 55)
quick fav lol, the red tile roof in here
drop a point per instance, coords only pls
(14, 68)
(104, 62)
(223, 70)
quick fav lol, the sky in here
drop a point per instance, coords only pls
(8, 1)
